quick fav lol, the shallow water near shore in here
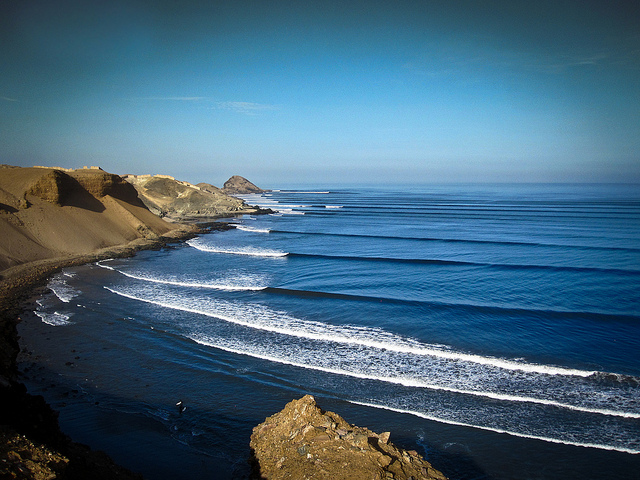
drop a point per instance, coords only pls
(493, 328)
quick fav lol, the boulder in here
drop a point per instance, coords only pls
(303, 441)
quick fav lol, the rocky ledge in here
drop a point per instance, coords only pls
(303, 441)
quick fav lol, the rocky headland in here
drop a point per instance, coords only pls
(180, 201)
(303, 441)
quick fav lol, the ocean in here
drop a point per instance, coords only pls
(495, 329)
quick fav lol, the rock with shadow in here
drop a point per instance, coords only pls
(303, 441)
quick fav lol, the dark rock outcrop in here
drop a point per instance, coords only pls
(303, 441)
(238, 185)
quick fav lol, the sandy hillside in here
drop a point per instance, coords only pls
(48, 213)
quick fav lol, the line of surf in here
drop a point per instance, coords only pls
(252, 229)
(458, 240)
(356, 338)
(427, 261)
(61, 289)
(176, 283)
(250, 251)
(55, 319)
(492, 309)
(497, 430)
(407, 382)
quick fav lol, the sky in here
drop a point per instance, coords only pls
(303, 91)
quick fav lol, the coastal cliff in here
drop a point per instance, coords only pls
(53, 214)
(176, 200)
(303, 441)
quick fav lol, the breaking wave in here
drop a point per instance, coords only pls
(54, 319)
(238, 283)
(376, 354)
(251, 251)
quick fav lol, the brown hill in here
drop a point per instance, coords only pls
(177, 200)
(47, 213)
(238, 185)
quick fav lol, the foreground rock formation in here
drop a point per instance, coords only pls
(176, 200)
(303, 441)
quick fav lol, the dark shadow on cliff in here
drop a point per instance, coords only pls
(8, 208)
(77, 196)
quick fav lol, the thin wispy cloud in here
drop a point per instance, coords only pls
(179, 99)
(245, 108)
(8, 99)
(464, 58)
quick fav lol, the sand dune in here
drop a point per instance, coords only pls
(47, 213)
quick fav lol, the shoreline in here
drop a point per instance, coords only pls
(28, 418)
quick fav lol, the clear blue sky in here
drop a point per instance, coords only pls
(323, 91)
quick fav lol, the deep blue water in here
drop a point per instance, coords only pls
(495, 328)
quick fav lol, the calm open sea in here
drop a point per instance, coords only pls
(493, 328)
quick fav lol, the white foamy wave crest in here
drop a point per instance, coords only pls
(102, 265)
(237, 283)
(333, 206)
(61, 289)
(306, 192)
(289, 211)
(385, 368)
(379, 355)
(54, 319)
(518, 416)
(252, 229)
(251, 251)
(450, 421)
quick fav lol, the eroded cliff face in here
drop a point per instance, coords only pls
(303, 441)
(49, 213)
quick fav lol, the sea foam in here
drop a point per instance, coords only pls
(375, 354)
(61, 289)
(54, 319)
(237, 283)
(250, 251)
